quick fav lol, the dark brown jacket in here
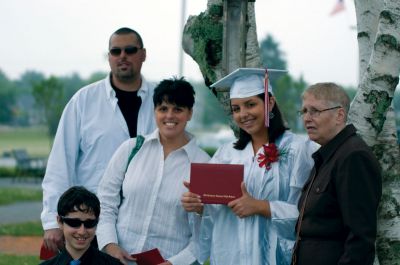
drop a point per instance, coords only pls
(340, 217)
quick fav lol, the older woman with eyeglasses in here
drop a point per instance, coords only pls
(338, 206)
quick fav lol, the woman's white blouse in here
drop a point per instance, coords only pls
(151, 214)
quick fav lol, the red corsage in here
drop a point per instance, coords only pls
(271, 155)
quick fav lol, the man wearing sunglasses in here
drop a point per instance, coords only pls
(78, 214)
(97, 119)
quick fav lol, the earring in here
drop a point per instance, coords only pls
(271, 115)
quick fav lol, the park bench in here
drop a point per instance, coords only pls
(28, 166)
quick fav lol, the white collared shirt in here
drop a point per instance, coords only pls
(91, 128)
(151, 214)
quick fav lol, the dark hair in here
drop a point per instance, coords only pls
(276, 128)
(174, 91)
(125, 31)
(78, 198)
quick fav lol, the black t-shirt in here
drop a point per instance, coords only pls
(129, 104)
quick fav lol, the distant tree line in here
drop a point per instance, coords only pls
(34, 99)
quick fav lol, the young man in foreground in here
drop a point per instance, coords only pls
(78, 214)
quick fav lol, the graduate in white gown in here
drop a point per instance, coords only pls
(257, 228)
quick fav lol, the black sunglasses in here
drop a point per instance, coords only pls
(76, 222)
(128, 50)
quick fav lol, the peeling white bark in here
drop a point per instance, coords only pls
(372, 112)
(370, 108)
(367, 13)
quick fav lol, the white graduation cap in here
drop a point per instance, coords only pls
(248, 82)
(245, 82)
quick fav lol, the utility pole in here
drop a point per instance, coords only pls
(183, 16)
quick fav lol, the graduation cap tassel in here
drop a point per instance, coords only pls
(266, 98)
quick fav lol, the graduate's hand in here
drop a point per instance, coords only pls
(118, 253)
(191, 202)
(247, 206)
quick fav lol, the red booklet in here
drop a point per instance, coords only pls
(45, 253)
(150, 257)
(216, 183)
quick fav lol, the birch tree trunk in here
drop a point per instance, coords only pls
(371, 111)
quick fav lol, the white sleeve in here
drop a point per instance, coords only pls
(284, 214)
(61, 165)
(109, 194)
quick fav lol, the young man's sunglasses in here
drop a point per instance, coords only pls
(76, 222)
(116, 51)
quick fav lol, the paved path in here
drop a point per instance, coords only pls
(22, 211)
(23, 183)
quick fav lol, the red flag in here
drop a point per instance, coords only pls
(338, 7)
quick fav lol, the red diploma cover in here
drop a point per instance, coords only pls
(46, 253)
(216, 183)
(150, 257)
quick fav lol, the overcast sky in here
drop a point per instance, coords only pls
(61, 37)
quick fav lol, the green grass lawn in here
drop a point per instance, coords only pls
(11, 195)
(33, 228)
(20, 260)
(33, 139)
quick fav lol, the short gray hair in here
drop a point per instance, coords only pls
(330, 92)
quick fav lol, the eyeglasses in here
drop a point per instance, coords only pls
(314, 112)
(116, 51)
(76, 222)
